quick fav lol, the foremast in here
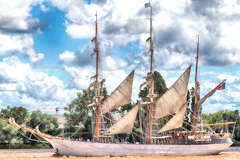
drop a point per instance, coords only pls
(96, 84)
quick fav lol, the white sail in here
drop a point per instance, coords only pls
(174, 97)
(120, 96)
(126, 123)
(176, 121)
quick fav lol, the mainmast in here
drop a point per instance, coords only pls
(151, 41)
(150, 80)
(196, 92)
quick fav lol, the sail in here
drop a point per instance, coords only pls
(120, 96)
(176, 121)
(126, 123)
(174, 97)
(202, 100)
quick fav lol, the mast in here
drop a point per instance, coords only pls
(197, 92)
(97, 91)
(97, 84)
(150, 79)
(151, 42)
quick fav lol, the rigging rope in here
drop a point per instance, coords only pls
(29, 138)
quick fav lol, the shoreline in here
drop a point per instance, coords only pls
(42, 154)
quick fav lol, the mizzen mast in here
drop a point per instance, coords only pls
(196, 109)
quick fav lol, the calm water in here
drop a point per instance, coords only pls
(234, 149)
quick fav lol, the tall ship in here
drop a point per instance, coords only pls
(158, 140)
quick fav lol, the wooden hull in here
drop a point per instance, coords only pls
(77, 148)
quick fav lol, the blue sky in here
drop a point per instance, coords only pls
(45, 47)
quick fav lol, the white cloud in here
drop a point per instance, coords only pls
(230, 78)
(77, 31)
(67, 57)
(80, 77)
(21, 85)
(232, 36)
(34, 57)
(121, 23)
(16, 24)
(14, 43)
(18, 11)
(23, 43)
(230, 7)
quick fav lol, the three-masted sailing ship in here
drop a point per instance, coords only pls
(173, 102)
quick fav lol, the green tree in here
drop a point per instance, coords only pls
(159, 86)
(224, 116)
(8, 134)
(44, 122)
(79, 118)
(20, 114)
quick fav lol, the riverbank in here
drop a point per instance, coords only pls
(47, 154)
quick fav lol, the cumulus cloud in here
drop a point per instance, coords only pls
(83, 57)
(10, 25)
(21, 85)
(11, 44)
(15, 17)
(16, 26)
(80, 78)
(175, 28)
(67, 57)
(230, 78)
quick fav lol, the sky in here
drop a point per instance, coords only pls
(45, 48)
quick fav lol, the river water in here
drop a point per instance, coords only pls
(232, 153)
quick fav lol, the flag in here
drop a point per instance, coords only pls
(147, 5)
(222, 86)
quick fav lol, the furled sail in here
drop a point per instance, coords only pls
(174, 97)
(176, 121)
(203, 99)
(120, 96)
(126, 123)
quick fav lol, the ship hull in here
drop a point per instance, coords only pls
(78, 148)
